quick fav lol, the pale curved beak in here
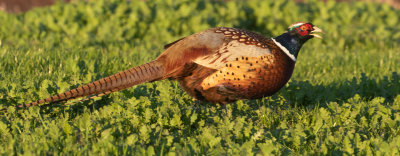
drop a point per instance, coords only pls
(316, 30)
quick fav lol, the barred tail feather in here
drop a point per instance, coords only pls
(147, 72)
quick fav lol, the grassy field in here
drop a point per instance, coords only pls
(343, 99)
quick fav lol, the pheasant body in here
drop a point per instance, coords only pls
(219, 65)
(246, 66)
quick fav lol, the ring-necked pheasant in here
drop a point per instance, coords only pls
(219, 65)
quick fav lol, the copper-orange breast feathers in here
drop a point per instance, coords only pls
(246, 65)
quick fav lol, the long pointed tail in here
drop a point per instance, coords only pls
(147, 72)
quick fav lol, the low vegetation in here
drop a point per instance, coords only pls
(344, 96)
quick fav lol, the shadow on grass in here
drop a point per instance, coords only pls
(304, 93)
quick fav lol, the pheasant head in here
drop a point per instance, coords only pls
(296, 35)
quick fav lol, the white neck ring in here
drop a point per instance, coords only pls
(284, 50)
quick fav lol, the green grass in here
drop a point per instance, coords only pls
(343, 99)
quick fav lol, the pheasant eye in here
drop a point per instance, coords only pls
(303, 28)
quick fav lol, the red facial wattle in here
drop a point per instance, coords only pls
(304, 29)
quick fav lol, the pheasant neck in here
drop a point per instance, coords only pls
(289, 44)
